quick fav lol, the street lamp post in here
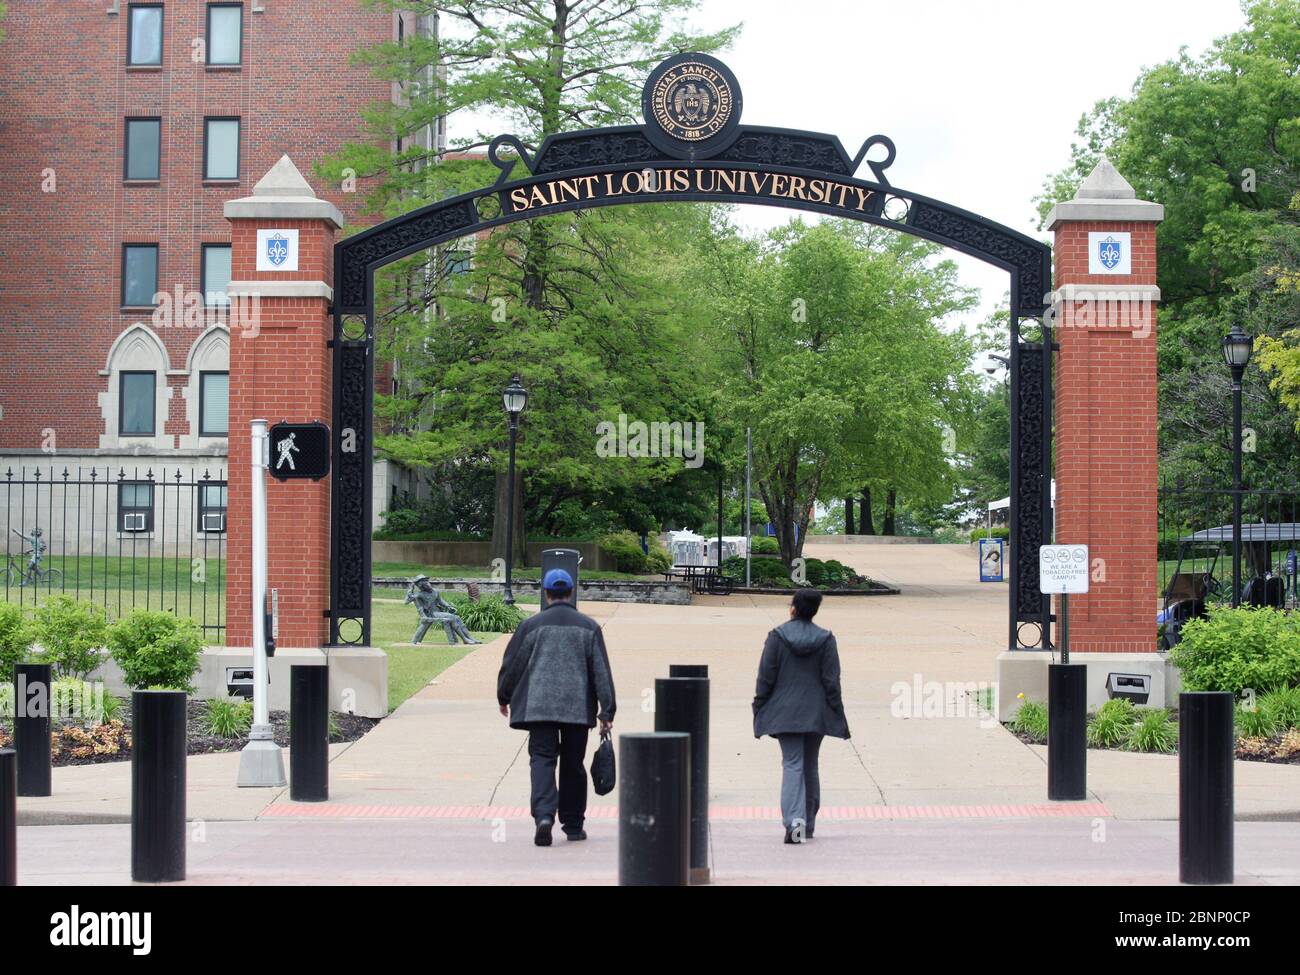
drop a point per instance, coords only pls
(515, 398)
(1237, 348)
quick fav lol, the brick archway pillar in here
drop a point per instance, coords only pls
(280, 369)
(1104, 310)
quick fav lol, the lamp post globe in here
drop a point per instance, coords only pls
(514, 398)
(1237, 348)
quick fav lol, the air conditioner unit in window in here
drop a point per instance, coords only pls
(214, 521)
(133, 521)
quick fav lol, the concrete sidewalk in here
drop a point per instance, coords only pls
(446, 763)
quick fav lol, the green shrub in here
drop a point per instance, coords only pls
(765, 545)
(72, 632)
(1254, 722)
(1155, 731)
(16, 637)
(156, 649)
(1284, 706)
(658, 559)
(1236, 649)
(111, 709)
(1112, 724)
(229, 717)
(765, 573)
(999, 531)
(1031, 721)
(490, 614)
(625, 549)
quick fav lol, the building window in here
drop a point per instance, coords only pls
(215, 275)
(221, 148)
(135, 506)
(225, 27)
(143, 152)
(212, 507)
(139, 275)
(136, 404)
(455, 262)
(214, 404)
(145, 29)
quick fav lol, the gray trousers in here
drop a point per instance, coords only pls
(801, 788)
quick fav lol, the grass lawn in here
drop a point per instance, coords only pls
(411, 668)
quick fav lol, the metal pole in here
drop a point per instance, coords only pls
(654, 809)
(749, 521)
(8, 817)
(261, 763)
(309, 733)
(719, 520)
(509, 597)
(1236, 488)
(1205, 755)
(682, 704)
(32, 703)
(158, 786)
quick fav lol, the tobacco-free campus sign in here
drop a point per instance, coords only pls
(1062, 568)
(300, 450)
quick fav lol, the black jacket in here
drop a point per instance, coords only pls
(798, 688)
(556, 669)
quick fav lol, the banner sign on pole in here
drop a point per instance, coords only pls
(992, 559)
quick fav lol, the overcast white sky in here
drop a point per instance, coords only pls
(981, 97)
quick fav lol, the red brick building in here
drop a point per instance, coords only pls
(124, 128)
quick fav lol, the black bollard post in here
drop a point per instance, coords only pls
(688, 670)
(309, 734)
(158, 786)
(8, 817)
(654, 809)
(682, 704)
(1067, 731)
(1205, 753)
(32, 703)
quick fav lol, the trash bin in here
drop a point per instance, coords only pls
(567, 559)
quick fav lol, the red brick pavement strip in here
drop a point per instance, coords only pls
(303, 810)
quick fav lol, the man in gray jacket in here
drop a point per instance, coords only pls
(554, 676)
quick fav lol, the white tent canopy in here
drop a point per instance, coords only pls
(1002, 503)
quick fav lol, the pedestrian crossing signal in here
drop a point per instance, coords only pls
(299, 450)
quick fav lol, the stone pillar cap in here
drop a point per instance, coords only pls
(283, 194)
(1105, 196)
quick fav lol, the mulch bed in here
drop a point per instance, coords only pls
(76, 744)
(1277, 749)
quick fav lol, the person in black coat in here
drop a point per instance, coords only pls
(555, 683)
(798, 702)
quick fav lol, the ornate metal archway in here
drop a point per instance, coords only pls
(691, 148)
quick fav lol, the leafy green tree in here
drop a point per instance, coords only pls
(828, 346)
(1215, 139)
(560, 300)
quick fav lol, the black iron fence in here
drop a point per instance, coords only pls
(1196, 550)
(123, 538)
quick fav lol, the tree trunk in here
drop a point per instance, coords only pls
(498, 551)
(848, 516)
(890, 501)
(865, 525)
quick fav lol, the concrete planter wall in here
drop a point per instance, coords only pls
(478, 553)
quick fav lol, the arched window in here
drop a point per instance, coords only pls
(135, 399)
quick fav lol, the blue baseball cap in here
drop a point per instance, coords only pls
(557, 580)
